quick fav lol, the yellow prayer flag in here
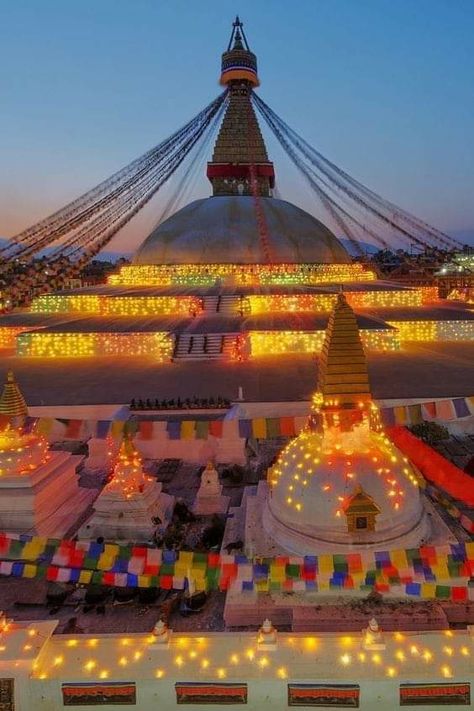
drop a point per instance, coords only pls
(105, 561)
(186, 557)
(31, 550)
(277, 573)
(116, 429)
(428, 590)
(198, 573)
(262, 585)
(44, 425)
(85, 576)
(399, 558)
(187, 429)
(259, 428)
(325, 563)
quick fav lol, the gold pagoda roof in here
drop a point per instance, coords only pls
(12, 402)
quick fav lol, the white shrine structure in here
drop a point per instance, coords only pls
(209, 498)
(132, 505)
(39, 488)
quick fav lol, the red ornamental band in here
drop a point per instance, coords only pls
(342, 696)
(208, 693)
(242, 170)
(416, 694)
(99, 693)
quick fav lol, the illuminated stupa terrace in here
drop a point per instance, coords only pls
(21, 453)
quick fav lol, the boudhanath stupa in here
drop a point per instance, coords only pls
(342, 484)
(39, 488)
(132, 505)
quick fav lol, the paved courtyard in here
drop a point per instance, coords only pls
(419, 370)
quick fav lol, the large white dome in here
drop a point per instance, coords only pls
(220, 230)
(317, 474)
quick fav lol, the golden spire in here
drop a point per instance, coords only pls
(240, 162)
(12, 402)
(343, 377)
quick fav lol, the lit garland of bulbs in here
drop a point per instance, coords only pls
(324, 303)
(8, 335)
(426, 331)
(274, 342)
(207, 274)
(21, 454)
(336, 442)
(134, 305)
(128, 477)
(158, 345)
(223, 656)
(105, 305)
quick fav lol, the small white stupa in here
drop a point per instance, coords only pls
(209, 498)
(132, 504)
(39, 489)
(342, 484)
(372, 637)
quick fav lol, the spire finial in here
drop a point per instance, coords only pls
(238, 40)
(237, 35)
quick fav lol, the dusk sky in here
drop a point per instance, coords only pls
(384, 88)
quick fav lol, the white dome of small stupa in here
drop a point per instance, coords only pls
(342, 482)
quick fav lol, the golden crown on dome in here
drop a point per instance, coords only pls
(12, 402)
(238, 62)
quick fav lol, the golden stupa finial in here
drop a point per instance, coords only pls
(12, 402)
(343, 376)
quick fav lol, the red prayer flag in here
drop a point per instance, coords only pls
(287, 426)
(139, 551)
(52, 572)
(459, 594)
(146, 429)
(213, 560)
(166, 582)
(215, 428)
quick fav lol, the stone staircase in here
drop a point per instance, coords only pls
(200, 346)
(210, 304)
(235, 525)
(225, 304)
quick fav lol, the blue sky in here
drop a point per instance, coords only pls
(382, 87)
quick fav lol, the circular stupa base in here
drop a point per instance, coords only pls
(320, 540)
